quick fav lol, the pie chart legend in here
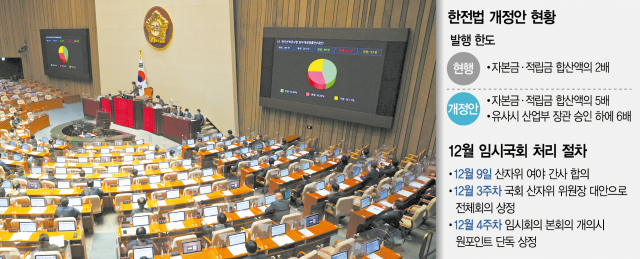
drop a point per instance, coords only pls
(64, 54)
(322, 74)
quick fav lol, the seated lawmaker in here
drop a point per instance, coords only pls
(32, 141)
(278, 208)
(394, 216)
(297, 191)
(257, 141)
(252, 248)
(364, 154)
(344, 161)
(336, 195)
(65, 211)
(390, 170)
(372, 178)
(172, 156)
(142, 202)
(92, 190)
(140, 240)
(187, 114)
(45, 246)
(310, 156)
(222, 224)
(160, 101)
(230, 135)
(178, 112)
(76, 131)
(271, 166)
(283, 144)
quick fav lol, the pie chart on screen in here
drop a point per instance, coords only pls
(64, 54)
(322, 74)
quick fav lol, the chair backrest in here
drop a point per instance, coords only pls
(431, 208)
(94, 200)
(408, 166)
(243, 164)
(294, 220)
(346, 245)
(20, 101)
(99, 169)
(328, 179)
(384, 181)
(255, 226)
(294, 167)
(219, 145)
(175, 164)
(10, 253)
(344, 206)
(310, 255)
(151, 167)
(177, 242)
(368, 191)
(52, 200)
(311, 163)
(306, 189)
(110, 181)
(49, 253)
(158, 194)
(220, 185)
(263, 160)
(280, 153)
(119, 199)
(270, 175)
(190, 191)
(47, 97)
(143, 148)
(48, 184)
(15, 223)
(141, 180)
(128, 168)
(170, 177)
(195, 174)
(217, 235)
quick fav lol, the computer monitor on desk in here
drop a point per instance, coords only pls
(61, 171)
(36, 170)
(278, 230)
(237, 239)
(365, 202)
(140, 168)
(163, 165)
(142, 251)
(234, 185)
(105, 159)
(305, 166)
(340, 178)
(4, 202)
(210, 147)
(97, 144)
(124, 182)
(149, 156)
(205, 138)
(242, 205)
(253, 163)
(205, 189)
(136, 196)
(139, 141)
(341, 255)
(127, 158)
(320, 186)
(191, 247)
(372, 246)
(191, 141)
(183, 176)
(284, 172)
(207, 172)
(83, 160)
(28, 227)
(210, 211)
(64, 184)
(289, 152)
(105, 151)
(186, 163)
(75, 201)
(151, 147)
(118, 143)
(323, 159)
(113, 169)
(17, 157)
(269, 199)
(66, 226)
(227, 143)
(173, 194)
(140, 221)
(129, 150)
(228, 155)
(155, 179)
(312, 220)
(61, 159)
(38, 202)
(33, 185)
(177, 216)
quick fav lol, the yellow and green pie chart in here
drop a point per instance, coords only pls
(63, 52)
(322, 74)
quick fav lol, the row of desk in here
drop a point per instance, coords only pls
(133, 114)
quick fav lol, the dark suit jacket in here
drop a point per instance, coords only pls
(230, 137)
(33, 142)
(389, 171)
(93, 191)
(279, 208)
(187, 115)
(340, 167)
(257, 142)
(178, 113)
(299, 189)
(161, 102)
(333, 198)
(141, 210)
(66, 212)
(199, 118)
(392, 218)
(5, 167)
(264, 171)
(371, 179)
(48, 248)
(75, 132)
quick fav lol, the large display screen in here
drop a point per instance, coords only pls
(65, 53)
(341, 73)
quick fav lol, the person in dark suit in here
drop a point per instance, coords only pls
(65, 211)
(119, 94)
(142, 202)
(344, 161)
(198, 117)
(2, 191)
(178, 112)
(81, 178)
(20, 174)
(390, 170)
(140, 240)
(230, 135)
(364, 154)
(278, 208)
(372, 178)
(252, 249)
(222, 224)
(91, 190)
(32, 141)
(311, 155)
(264, 171)
(297, 193)
(45, 246)
(394, 216)
(134, 90)
(187, 114)
(257, 141)
(337, 194)
(283, 144)
(160, 101)
(76, 131)
(429, 195)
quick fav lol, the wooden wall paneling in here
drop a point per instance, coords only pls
(414, 123)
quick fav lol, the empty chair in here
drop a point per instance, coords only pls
(219, 236)
(343, 207)
(257, 226)
(110, 182)
(47, 97)
(159, 194)
(220, 185)
(311, 163)
(294, 167)
(310, 255)
(294, 220)
(195, 174)
(120, 198)
(48, 184)
(409, 223)
(127, 169)
(175, 164)
(141, 180)
(95, 201)
(263, 160)
(151, 167)
(170, 177)
(191, 191)
(52, 200)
